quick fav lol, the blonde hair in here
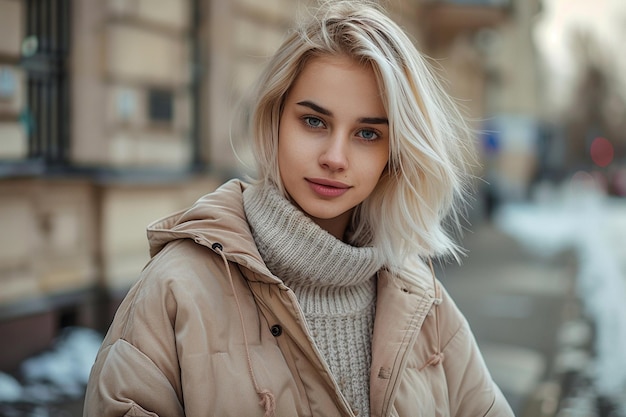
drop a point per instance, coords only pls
(426, 177)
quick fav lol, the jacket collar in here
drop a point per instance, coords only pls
(217, 218)
(403, 303)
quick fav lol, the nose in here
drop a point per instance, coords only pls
(334, 155)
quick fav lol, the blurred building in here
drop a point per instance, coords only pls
(579, 46)
(115, 113)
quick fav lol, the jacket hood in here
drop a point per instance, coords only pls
(218, 218)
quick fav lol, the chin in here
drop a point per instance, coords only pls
(323, 214)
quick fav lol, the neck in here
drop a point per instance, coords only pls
(336, 226)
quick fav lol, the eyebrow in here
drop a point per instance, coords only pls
(326, 112)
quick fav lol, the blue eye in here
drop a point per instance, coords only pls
(313, 122)
(367, 134)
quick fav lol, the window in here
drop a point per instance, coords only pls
(45, 52)
(160, 106)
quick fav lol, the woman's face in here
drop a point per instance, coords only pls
(333, 140)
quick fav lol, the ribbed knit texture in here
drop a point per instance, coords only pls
(334, 283)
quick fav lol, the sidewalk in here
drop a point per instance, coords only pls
(581, 219)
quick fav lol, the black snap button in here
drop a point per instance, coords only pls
(217, 246)
(276, 330)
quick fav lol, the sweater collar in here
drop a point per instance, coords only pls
(296, 249)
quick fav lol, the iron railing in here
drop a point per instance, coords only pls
(45, 54)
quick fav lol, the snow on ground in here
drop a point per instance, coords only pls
(55, 375)
(579, 217)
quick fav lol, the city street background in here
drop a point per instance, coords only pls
(115, 113)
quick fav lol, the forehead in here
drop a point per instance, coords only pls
(331, 67)
(338, 81)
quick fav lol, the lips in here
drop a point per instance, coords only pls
(327, 188)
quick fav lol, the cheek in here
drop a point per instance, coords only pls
(290, 163)
(285, 144)
(295, 153)
(378, 173)
(285, 154)
(283, 167)
(380, 163)
(371, 175)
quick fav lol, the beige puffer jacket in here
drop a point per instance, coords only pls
(209, 331)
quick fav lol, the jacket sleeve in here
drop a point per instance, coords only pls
(472, 392)
(136, 370)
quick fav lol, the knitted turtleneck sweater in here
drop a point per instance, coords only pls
(334, 283)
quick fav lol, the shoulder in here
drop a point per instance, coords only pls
(446, 319)
(183, 267)
(182, 284)
(181, 256)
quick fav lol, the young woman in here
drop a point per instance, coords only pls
(310, 291)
